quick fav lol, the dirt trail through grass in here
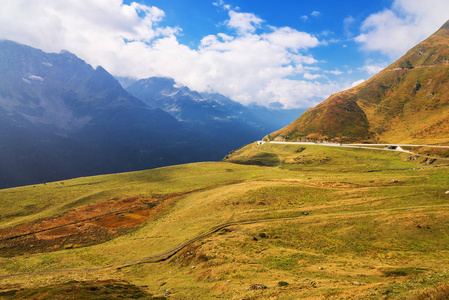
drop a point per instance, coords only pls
(173, 251)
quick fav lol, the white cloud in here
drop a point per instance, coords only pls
(372, 69)
(127, 40)
(225, 37)
(53, 25)
(221, 3)
(287, 37)
(314, 13)
(356, 83)
(312, 76)
(289, 92)
(347, 23)
(394, 31)
(243, 22)
(334, 72)
(35, 77)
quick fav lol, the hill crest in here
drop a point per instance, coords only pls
(407, 102)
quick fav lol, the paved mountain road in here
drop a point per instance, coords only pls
(388, 147)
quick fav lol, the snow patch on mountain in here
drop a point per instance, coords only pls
(35, 77)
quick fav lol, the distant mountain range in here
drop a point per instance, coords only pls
(60, 118)
(225, 123)
(408, 102)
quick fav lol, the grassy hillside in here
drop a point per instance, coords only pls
(405, 103)
(301, 221)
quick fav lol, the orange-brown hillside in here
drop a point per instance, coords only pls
(408, 102)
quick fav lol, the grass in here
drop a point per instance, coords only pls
(405, 103)
(439, 292)
(89, 290)
(355, 232)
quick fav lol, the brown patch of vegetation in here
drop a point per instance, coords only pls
(191, 255)
(440, 292)
(86, 225)
(437, 152)
(105, 289)
(338, 118)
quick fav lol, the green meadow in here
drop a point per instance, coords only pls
(299, 221)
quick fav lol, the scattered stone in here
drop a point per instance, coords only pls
(193, 267)
(356, 283)
(256, 287)
(320, 268)
(431, 161)
(283, 283)
(280, 139)
(447, 192)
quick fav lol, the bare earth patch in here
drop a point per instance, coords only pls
(83, 226)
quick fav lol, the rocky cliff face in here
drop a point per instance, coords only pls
(61, 118)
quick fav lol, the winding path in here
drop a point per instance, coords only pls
(171, 252)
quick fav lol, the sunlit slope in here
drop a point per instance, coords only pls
(408, 102)
(327, 222)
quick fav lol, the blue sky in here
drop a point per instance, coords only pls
(290, 52)
(322, 19)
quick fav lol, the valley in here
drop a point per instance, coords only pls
(329, 222)
(128, 187)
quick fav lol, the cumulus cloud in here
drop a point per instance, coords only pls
(287, 37)
(128, 40)
(48, 24)
(314, 14)
(243, 22)
(335, 72)
(394, 31)
(372, 69)
(312, 76)
(309, 93)
(356, 83)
